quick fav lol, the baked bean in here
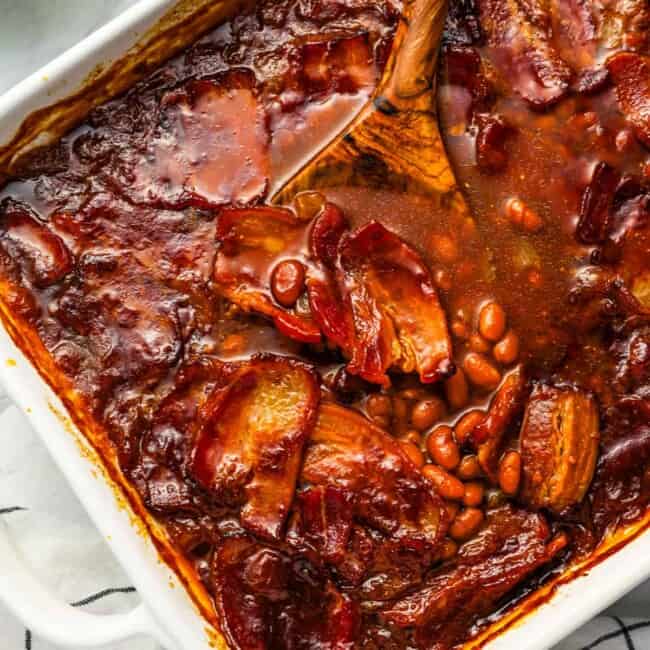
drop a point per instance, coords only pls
(510, 472)
(288, 282)
(426, 413)
(535, 278)
(465, 426)
(478, 344)
(448, 486)
(444, 248)
(413, 452)
(412, 436)
(309, 204)
(456, 390)
(506, 350)
(449, 549)
(460, 329)
(466, 524)
(519, 214)
(379, 405)
(474, 493)
(469, 468)
(400, 409)
(480, 371)
(492, 321)
(443, 448)
(443, 279)
(411, 394)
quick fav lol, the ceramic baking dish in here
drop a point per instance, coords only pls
(174, 610)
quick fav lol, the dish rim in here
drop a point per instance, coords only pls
(619, 566)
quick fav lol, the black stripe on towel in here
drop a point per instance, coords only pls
(85, 601)
(623, 631)
(8, 511)
(102, 594)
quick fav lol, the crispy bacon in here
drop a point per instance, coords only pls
(268, 599)
(41, 253)
(596, 205)
(369, 293)
(249, 448)
(134, 322)
(324, 521)
(506, 404)
(559, 447)
(462, 66)
(372, 566)
(631, 75)
(398, 320)
(342, 65)
(326, 305)
(620, 476)
(348, 452)
(518, 32)
(510, 547)
(365, 512)
(491, 153)
(209, 148)
(575, 25)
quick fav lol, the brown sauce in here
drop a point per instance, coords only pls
(376, 425)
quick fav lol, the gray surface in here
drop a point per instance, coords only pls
(32, 32)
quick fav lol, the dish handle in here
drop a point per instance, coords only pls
(55, 620)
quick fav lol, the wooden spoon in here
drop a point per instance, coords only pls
(394, 142)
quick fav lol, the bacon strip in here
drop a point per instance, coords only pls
(631, 75)
(249, 449)
(398, 321)
(346, 451)
(369, 292)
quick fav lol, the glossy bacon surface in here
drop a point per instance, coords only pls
(269, 599)
(512, 545)
(519, 35)
(44, 257)
(506, 405)
(252, 241)
(559, 444)
(346, 451)
(368, 291)
(397, 318)
(249, 449)
(209, 148)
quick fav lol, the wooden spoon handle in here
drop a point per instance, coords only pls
(394, 142)
(408, 79)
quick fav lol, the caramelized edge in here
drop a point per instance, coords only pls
(103, 456)
(182, 25)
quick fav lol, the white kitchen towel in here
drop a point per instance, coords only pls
(46, 520)
(53, 533)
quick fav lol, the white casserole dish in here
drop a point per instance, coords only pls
(168, 614)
